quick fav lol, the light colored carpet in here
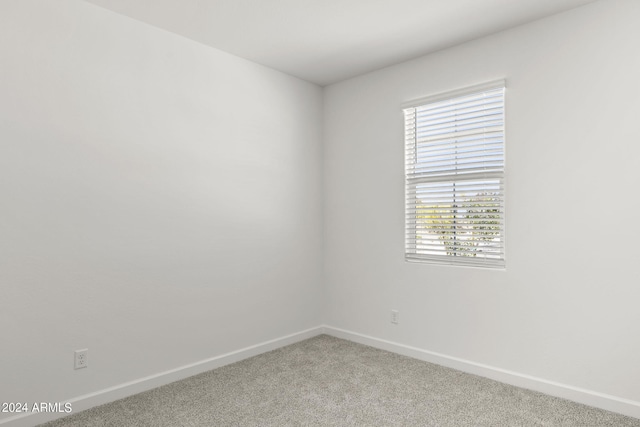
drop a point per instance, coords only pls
(325, 381)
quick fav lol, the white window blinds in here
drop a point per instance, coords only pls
(454, 153)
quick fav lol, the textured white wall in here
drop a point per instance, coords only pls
(159, 200)
(566, 308)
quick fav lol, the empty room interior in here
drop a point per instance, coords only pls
(319, 212)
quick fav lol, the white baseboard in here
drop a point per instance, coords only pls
(120, 391)
(587, 397)
(576, 394)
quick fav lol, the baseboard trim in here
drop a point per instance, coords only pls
(120, 391)
(587, 397)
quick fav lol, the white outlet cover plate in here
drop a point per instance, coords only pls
(80, 358)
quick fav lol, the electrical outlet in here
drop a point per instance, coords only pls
(80, 359)
(395, 317)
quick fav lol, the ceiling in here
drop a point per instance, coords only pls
(325, 41)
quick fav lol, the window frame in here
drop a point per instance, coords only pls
(411, 188)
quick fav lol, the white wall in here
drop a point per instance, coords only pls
(566, 308)
(159, 200)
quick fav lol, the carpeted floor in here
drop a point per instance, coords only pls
(325, 381)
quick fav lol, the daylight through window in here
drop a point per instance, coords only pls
(454, 153)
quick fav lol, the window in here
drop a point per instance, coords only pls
(454, 174)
